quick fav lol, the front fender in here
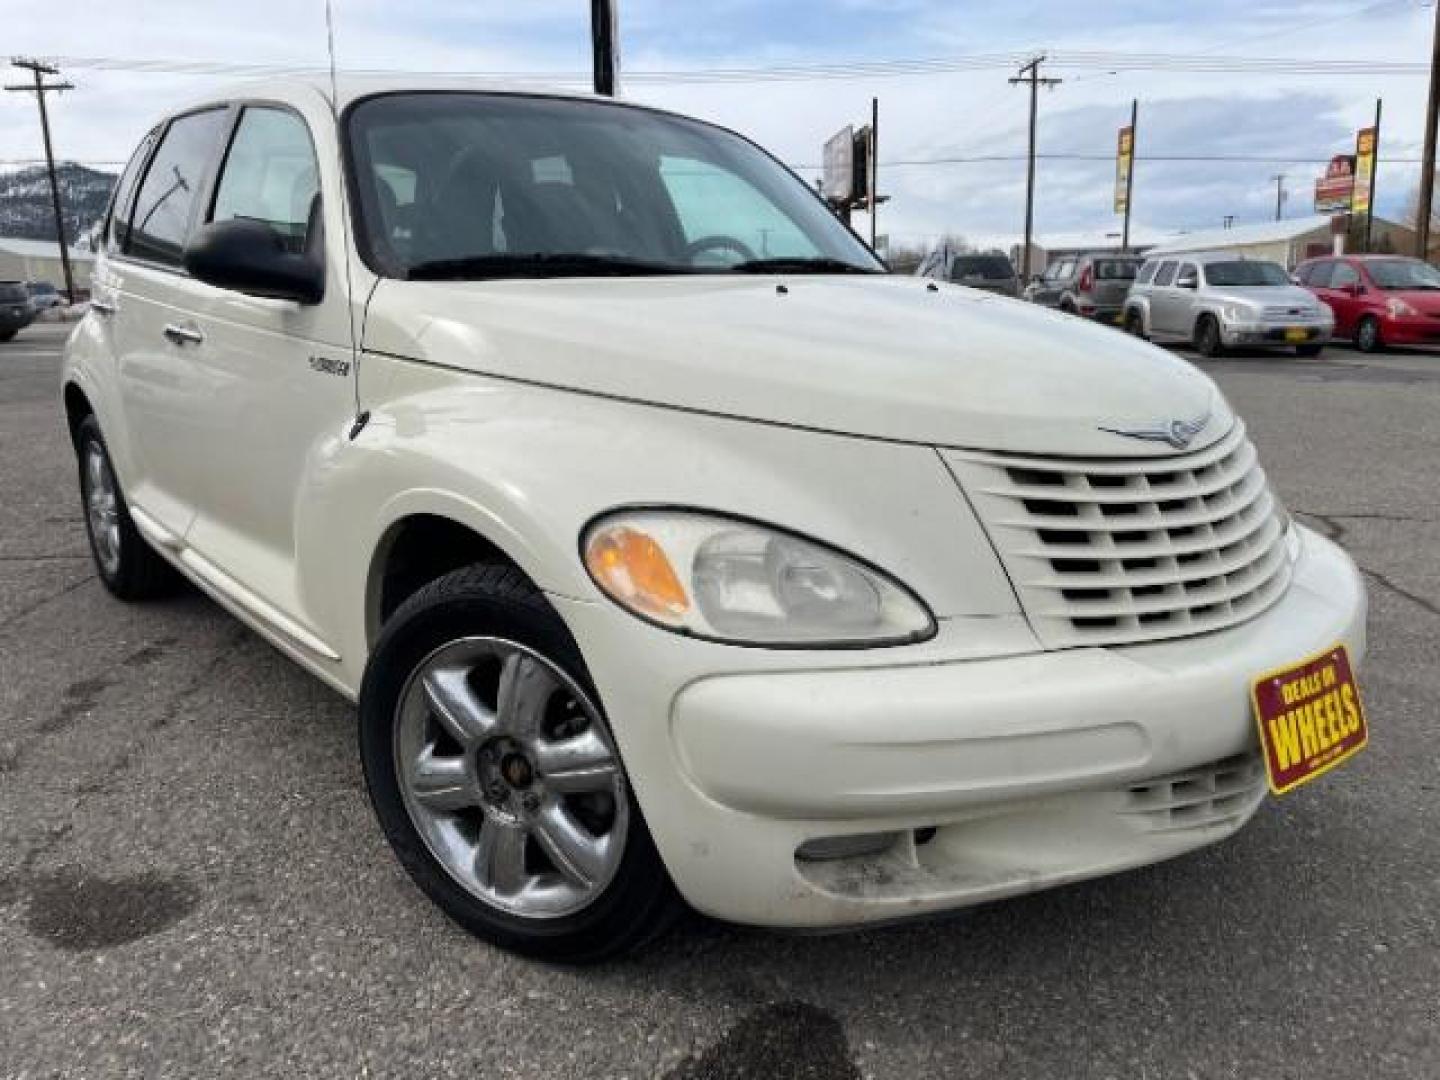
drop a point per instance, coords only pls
(529, 467)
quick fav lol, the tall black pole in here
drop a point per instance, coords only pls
(873, 180)
(1130, 176)
(1030, 73)
(1427, 160)
(1374, 170)
(40, 89)
(1279, 179)
(603, 35)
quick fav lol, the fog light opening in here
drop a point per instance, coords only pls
(855, 846)
(925, 835)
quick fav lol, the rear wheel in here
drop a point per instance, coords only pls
(496, 778)
(1207, 337)
(1367, 335)
(126, 564)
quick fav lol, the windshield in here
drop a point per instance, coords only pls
(474, 185)
(1116, 269)
(41, 288)
(13, 292)
(1403, 274)
(1246, 272)
(989, 267)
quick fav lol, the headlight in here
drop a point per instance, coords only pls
(735, 581)
(1236, 312)
(1399, 308)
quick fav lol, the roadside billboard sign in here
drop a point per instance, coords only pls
(1334, 190)
(838, 181)
(1124, 162)
(1361, 196)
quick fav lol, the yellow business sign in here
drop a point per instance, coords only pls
(1364, 171)
(1124, 162)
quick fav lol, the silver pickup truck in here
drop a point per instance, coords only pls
(1220, 300)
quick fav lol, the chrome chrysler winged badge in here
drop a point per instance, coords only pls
(1178, 433)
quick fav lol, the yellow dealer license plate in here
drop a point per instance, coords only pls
(1296, 333)
(1310, 718)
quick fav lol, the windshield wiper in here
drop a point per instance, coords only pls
(537, 264)
(799, 265)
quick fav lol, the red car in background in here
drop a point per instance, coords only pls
(1378, 300)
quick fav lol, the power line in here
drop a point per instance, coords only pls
(1077, 60)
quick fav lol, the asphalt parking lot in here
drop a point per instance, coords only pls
(192, 884)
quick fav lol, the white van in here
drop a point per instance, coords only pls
(670, 548)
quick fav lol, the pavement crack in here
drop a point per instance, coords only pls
(1422, 602)
(29, 609)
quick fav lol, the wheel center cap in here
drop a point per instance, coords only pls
(517, 770)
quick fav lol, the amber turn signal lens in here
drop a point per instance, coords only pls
(630, 566)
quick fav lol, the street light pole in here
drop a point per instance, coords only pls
(1427, 160)
(40, 89)
(604, 34)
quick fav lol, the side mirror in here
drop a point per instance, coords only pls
(250, 257)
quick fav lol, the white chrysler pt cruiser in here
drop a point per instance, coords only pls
(671, 549)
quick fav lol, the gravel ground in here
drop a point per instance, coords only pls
(191, 883)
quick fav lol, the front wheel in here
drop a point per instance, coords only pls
(1135, 324)
(1207, 337)
(1367, 335)
(496, 778)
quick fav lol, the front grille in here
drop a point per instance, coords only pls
(1106, 551)
(1216, 794)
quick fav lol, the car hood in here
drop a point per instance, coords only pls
(1263, 295)
(886, 357)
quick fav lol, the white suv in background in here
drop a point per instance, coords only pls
(669, 547)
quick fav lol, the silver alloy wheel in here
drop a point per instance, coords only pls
(102, 507)
(511, 777)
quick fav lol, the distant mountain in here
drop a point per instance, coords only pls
(25, 208)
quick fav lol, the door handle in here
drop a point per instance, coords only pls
(183, 335)
(102, 307)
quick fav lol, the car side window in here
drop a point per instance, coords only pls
(161, 220)
(1187, 276)
(117, 226)
(1147, 273)
(1166, 273)
(1344, 276)
(270, 175)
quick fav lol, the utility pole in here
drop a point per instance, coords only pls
(40, 89)
(1427, 160)
(605, 42)
(1279, 179)
(1130, 176)
(873, 181)
(1374, 171)
(1030, 73)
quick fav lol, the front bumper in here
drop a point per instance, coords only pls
(1276, 334)
(1019, 772)
(1422, 330)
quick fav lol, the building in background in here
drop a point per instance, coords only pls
(39, 260)
(1048, 249)
(1288, 242)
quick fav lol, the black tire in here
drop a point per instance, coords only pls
(1207, 337)
(1368, 338)
(498, 601)
(1067, 307)
(1308, 350)
(8, 335)
(137, 572)
(1135, 324)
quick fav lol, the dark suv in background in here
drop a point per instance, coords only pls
(16, 310)
(1093, 285)
(993, 273)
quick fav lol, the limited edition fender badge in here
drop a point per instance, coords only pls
(328, 366)
(1178, 433)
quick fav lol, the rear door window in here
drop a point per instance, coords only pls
(160, 223)
(271, 176)
(1166, 273)
(1147, 273)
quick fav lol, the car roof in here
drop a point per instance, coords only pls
(1205, 257)
(348, 89)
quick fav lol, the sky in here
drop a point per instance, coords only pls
(1279, 114)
